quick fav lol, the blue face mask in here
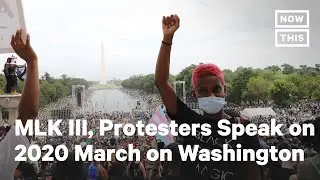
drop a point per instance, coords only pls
(211, 105)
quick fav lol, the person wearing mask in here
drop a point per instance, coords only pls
(28, 107)
(210, 90)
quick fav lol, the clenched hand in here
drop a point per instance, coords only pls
(170, 24)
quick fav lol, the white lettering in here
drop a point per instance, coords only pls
(291, 18)
(21, 130)
(300, 38)
(37, 131)
(222, 124)
(295, 129)
(106, 125)
(163, 130)
(205, 129)
(53, 127)
(275, 128)
(188, 152)
(184, 130)
(305, 128)
(87, 155)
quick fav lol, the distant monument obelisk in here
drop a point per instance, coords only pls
(103, 67)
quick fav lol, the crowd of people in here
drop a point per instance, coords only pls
(209, 85)
(45, 169)
(298, 113)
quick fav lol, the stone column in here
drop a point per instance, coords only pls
(13, 115)
(11, 103)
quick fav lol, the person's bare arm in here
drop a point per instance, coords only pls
(168, 96)
(29, 103)
(28, 107)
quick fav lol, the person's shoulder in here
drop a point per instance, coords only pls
(184, 113)
(13, 138)
(185, 108)
(181, 104)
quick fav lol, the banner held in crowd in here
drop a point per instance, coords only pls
(160, 118)
(12, 19)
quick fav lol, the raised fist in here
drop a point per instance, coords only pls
(170, 24)
(23, 49)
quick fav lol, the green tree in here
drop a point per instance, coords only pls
(247, 84)
(228, 77)
(282, 92)
(258, 88)
(148, 83)
(3, 82)
(239, 84)
(51, 89)
(47, 76)
(287, 68)
(64, 76)
(316, 94)
(273, 68)
(186, 75)
(270, 75)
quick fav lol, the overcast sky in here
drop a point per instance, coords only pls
(67, 34)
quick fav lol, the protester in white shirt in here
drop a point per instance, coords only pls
(8, 153)
(28, 106)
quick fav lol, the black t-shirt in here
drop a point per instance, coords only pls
(211, 170)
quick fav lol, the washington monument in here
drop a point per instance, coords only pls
(103, 67)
